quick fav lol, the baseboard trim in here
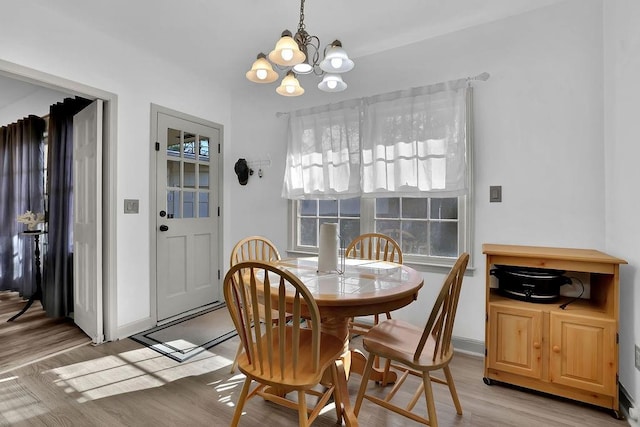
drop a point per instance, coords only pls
(468, 346)
(626, 402)
(133, 328)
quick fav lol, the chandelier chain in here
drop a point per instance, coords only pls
(301, 25)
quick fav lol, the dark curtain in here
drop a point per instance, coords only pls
(58, 291)
(21, 189)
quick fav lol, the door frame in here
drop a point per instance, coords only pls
(153, 250)
(109, 175)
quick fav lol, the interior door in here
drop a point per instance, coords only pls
(187, 215)
(87, 225)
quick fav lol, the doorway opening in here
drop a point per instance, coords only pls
(109, 163)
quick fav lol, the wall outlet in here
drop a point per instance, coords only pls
(637, 357)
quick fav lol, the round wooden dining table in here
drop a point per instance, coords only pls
(360, 288)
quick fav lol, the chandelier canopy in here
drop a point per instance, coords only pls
(300, 54)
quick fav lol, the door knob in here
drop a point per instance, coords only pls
(164, 228)
(556, 349)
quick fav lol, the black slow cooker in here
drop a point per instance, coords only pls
(530, 284)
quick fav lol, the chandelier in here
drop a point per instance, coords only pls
(300, 54)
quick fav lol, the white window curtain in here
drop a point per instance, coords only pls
(410, 143)
(323, 155)
(414, 142)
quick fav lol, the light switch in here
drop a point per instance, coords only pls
(495, 193)
(131, 206)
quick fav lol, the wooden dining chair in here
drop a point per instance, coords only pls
(373, 246)
(417, 351)
(283, 357)
(252, 248)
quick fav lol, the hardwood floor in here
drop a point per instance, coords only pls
(33, 335)
(125, 384)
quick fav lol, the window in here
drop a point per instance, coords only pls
(397, 164)
(429, 230)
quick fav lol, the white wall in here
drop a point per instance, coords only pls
(622, 92)
(539, 134)
(38, 38)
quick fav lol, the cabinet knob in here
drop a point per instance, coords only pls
(536, 345)
(556, 349)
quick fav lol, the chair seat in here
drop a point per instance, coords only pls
(397, 340)
(305, 377)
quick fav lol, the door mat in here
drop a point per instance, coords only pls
(184, 338)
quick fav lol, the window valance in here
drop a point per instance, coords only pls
(407, 143)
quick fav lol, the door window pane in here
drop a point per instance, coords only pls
(173, 204)
(203, 149)
(189, 175)
(173, 173)
(189, 145)
(173, 143)
(203, 176)
(203, 204)
(188, 204)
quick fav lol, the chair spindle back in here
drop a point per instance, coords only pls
(249, 284)
(374, 246)
(442, 317)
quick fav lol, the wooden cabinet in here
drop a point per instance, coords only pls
(570, 352)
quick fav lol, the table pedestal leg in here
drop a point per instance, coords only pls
(353, 359)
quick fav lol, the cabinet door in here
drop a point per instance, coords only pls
(515, 340)
(583, 352)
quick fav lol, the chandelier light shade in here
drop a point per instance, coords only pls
(286, 53)
(290, 86)
(300, 54)
(332, 83)
(336, 59)
(261, 71)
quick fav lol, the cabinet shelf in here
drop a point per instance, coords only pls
(571, 352)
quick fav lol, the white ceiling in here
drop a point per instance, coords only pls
(223, 38)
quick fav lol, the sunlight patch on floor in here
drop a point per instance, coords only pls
(128, 372)
(16, 403)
